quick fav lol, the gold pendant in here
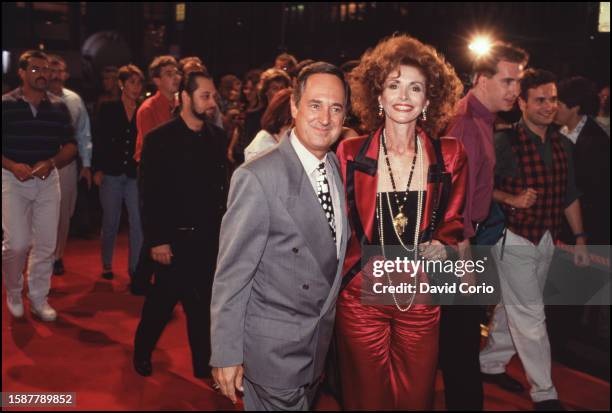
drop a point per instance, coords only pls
(399, 222)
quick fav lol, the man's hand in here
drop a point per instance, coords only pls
(581, 254)
(22, 171)
(229, 379)
(86, 175)
(98, 178)
(42, 169)
(162, 254)
(523, 200)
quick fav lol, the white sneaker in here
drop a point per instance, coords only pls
(44, 311)
(15, 306)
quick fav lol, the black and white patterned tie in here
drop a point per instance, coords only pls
(324, 195)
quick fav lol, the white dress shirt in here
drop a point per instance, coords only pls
(573, 135)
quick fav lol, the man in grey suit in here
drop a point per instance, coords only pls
(282, 245)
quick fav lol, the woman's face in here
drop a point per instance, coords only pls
(132, 87)
(403, 97)
(274, 87)
(249, 91)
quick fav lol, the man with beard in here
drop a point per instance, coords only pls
(37, 139)
(183, 180)
(153, 112)
(532, 158)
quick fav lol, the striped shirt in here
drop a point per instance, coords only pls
(31, 135)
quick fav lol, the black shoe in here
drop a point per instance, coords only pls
(108, 275)
(504, 381)
(143, 366)
(552, 405)
(58, 267)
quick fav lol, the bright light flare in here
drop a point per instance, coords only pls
(480, 46)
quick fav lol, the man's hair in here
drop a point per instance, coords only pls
(579, 91)
(191, 61)
(160, 61)
(533, 78)
(487, 64)
(321, 68)
(127, 71)
(290, 59)
(24, 59)
(54, 58)
(189, 83)
(266, 79)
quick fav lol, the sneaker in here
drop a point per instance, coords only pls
(15, 306)
(58, 267)
(44, 311)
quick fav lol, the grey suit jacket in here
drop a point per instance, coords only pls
(278, 277)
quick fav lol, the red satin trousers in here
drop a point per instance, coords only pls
(387, 358)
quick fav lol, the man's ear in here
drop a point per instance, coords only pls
(184, 97)
(522, 103)
(157, 82)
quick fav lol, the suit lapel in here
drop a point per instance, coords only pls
(305, 209)
(362, 182)
(429, 198)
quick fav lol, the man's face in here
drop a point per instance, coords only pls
(541, 105)
(36, 75)
(234, 94)
(503, 88)
(565, 114)
(320, 113)
(403, 97)
(57, 77)
(282, 64)
(604, 93)
(168, 80)
(203, 104)
(132, 87)
(109, 81)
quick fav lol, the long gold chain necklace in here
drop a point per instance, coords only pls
(400, 220)
(381, 232)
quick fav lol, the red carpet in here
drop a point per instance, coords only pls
(88, 351)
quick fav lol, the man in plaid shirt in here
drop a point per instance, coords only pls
(534, 183)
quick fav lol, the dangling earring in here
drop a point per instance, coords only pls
(380, 110)
(424, 114)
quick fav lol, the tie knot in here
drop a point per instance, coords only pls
(321, 168)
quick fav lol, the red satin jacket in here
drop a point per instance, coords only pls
(359, 164)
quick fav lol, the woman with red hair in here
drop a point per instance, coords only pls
(403, 92)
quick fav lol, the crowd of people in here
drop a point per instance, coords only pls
(323, 161)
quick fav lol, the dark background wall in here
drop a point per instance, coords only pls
(233, 37)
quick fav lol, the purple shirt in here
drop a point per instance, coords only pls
(473, 125)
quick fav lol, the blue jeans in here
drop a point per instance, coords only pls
(113, 191)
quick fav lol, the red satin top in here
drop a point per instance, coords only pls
(360, 177)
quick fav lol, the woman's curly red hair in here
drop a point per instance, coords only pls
(367, 81)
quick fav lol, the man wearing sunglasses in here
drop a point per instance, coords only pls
(37, 139)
